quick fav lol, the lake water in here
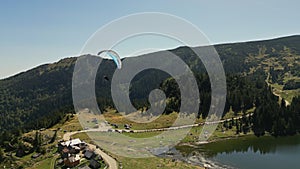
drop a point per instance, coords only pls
(246, 153)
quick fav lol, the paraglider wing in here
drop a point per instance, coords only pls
(114, 55)
(117, 60)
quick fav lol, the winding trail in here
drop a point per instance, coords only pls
(106, 128)
(111, 162)
(278, 95)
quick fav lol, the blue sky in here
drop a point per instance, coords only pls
(34, 32)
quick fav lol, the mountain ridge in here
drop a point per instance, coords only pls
(41, 96)
(215, 45)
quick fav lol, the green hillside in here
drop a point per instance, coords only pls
(40, 97)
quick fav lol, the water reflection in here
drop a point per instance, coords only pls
(222, 153)
(262, 145)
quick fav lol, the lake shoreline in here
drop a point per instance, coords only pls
(195, 144)
(233, 151)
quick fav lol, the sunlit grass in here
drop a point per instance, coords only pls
(154, 162)
(45, 164)
(161, 122)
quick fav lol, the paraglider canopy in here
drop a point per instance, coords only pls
(113, 55)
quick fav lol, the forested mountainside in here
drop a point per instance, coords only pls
(255, 71)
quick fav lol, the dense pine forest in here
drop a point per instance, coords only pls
(256, 72)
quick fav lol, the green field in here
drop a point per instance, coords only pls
(45, 164)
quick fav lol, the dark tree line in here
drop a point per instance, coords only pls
(277, 119)
(269, 116)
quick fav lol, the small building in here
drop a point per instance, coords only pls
(75, 142)
(74, 150)
(65, 152)
(60, 161)
(94, 164)
(72, 161)
(89, 154)
(82, 145)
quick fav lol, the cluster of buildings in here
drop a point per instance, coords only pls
(74, 151)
